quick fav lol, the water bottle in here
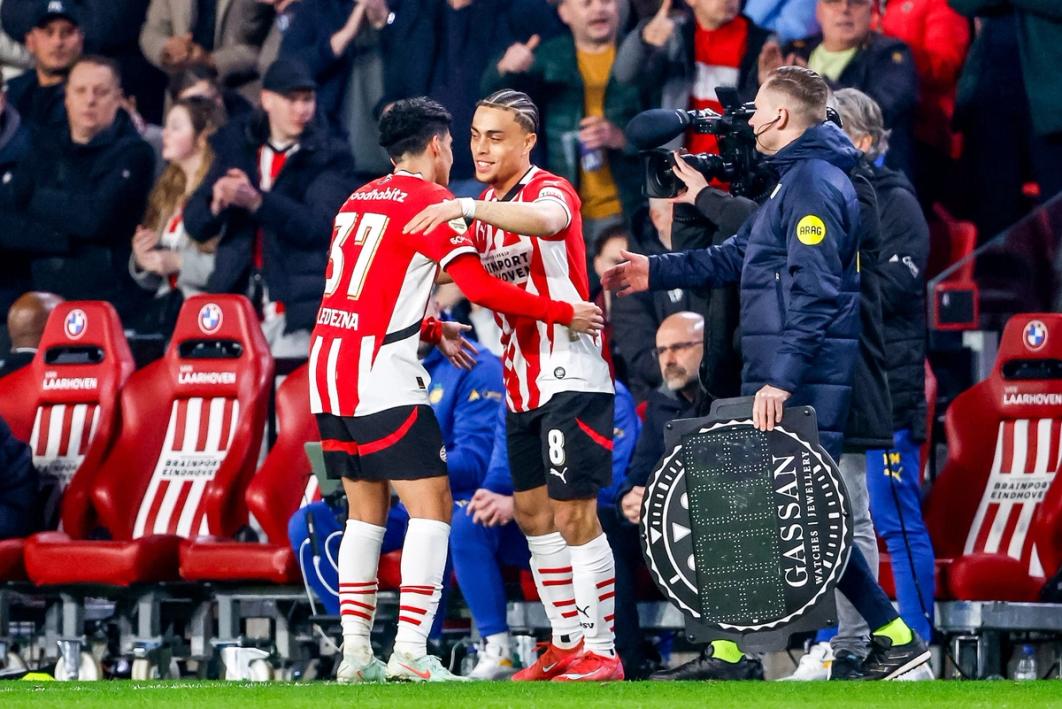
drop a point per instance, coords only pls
(468, 662)
(591, 160)
(1026, 668)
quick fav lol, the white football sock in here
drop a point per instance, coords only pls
(499, 645)
(594, 573)
(359, 559)
(551, 565)
(423, 565)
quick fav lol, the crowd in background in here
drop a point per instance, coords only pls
(154, 149)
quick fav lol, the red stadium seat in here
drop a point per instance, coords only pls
(192, 425)
(65, 405)
(1004, 447)
(275, 493)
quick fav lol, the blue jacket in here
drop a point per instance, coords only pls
(795, 260)
(466, 404)
(18, 487)
(789, 19)
(625, 430)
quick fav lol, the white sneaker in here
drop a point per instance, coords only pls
(428, 668)
(814, 665)
(361, 666)
(494, 663)
(922, 673)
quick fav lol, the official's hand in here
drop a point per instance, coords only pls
(457, 349)
(694, 181)
(629, 277)
(490, 509)
(599, 132)
(588, 319)
(433, 216)
(519, 57)
(767, 407)
(659, 29)
(631, 504)
(770, 59)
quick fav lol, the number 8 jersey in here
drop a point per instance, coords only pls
(363, 350)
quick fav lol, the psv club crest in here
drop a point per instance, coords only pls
(210, 318)
(75, 324)
(746, 531)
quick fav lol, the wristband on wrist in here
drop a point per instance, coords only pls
(468, 207)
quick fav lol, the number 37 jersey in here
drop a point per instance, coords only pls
(363, 350)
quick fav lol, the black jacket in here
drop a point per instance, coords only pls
(14, 265)
(76, 209)
(904, 252)
(295, 217)
(18, 487)
(39, 106)
(870, 417)
(883, 69)
(664, 406)
(634, 321)
(714, 219)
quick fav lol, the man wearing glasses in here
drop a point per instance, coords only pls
(849, 55)
(678, 351)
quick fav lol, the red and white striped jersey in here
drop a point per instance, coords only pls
(1028, 452)
(59, 442)
(542, 360)
(363, 350)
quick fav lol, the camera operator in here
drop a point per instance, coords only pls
(796, 262)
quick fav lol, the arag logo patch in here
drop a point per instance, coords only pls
(810, 230)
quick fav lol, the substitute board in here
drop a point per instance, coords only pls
(747, 531)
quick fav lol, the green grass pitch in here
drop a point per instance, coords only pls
(736, 695)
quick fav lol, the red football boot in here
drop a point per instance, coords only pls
(553, 662)
(591, 667)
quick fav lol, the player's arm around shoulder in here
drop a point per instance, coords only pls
(543, 218)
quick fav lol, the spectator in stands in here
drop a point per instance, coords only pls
(1010, 107)
(14, 146)
(340, 42)
(687, 57)
(848, 54)
(284, 14)
(225, 34)
(14, 59)
(25, 325)
(894, 476)
(18, 487)
(202, 80)
(55, 41)
(789, 19)
(466, 404)
(678, 351)
(938, 37)
(79, 198)
(165, 261)
(606, 254)
(484, 538)
(276, 183)
(448, 64)
(584, 109)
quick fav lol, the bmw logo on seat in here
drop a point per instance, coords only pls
(1035, 335)
(210, 318)
(76, 323)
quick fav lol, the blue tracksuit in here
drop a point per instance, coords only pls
(479, 552)
(795, 261)
(466, 404)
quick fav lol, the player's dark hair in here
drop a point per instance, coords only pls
(518, 103)
(105, 62)
(616, 231)
(410, 124)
